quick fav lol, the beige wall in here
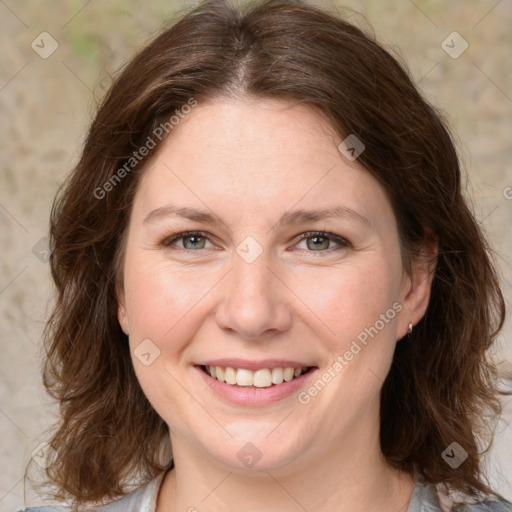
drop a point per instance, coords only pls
(46, 105)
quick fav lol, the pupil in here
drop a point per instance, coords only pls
(315, 246)
(193, 244)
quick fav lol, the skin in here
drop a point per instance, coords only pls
(250, 161)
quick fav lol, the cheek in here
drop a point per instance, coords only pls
(164, 306)
(355, 308)
(350, 298)
(165, 302)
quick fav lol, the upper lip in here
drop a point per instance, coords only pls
(254, 365)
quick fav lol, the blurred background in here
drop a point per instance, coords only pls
(57, 60)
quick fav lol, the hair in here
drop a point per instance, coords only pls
(441, 385)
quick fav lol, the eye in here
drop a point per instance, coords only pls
(320, 241)
(191, 240)
(317, 241)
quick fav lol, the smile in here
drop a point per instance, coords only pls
(260, 378)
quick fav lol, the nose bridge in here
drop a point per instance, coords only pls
(251, 278)
(251, 275)
(253, 301)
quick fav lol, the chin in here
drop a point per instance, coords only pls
(255, 448)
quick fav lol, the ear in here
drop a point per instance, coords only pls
(122, 314)
(416, 286)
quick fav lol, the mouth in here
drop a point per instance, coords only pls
(251, 383)
(258, 378)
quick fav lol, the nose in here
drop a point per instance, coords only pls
(255, 301)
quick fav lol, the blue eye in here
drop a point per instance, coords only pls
(196, 240)
(320, 241)
(317, 241)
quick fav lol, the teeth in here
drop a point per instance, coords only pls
(230, 376)
(263, 378)
(277, 375)
(244, 377)
(220, 373)
(288, 374)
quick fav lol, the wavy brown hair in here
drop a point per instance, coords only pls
(441, 386)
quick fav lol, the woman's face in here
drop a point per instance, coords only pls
(256, 292)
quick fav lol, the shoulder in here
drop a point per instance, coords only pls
(45, 508)
(424, 500)
(41, 509)
(142, 499)
(125, 504)
(487, 506)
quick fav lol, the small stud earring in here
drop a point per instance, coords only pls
(409, 329)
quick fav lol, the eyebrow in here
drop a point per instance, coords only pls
(288, 218)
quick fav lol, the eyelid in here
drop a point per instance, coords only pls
(185, 234)
(342, 242)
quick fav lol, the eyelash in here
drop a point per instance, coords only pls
(343, 242)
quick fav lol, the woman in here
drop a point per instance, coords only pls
(264, 261)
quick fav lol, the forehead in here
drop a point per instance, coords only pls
(253, 156)
(235, 133)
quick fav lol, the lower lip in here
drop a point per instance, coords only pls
(252, 396)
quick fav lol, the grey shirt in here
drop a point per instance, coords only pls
(144, 498)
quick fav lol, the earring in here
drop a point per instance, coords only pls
(409, 329)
